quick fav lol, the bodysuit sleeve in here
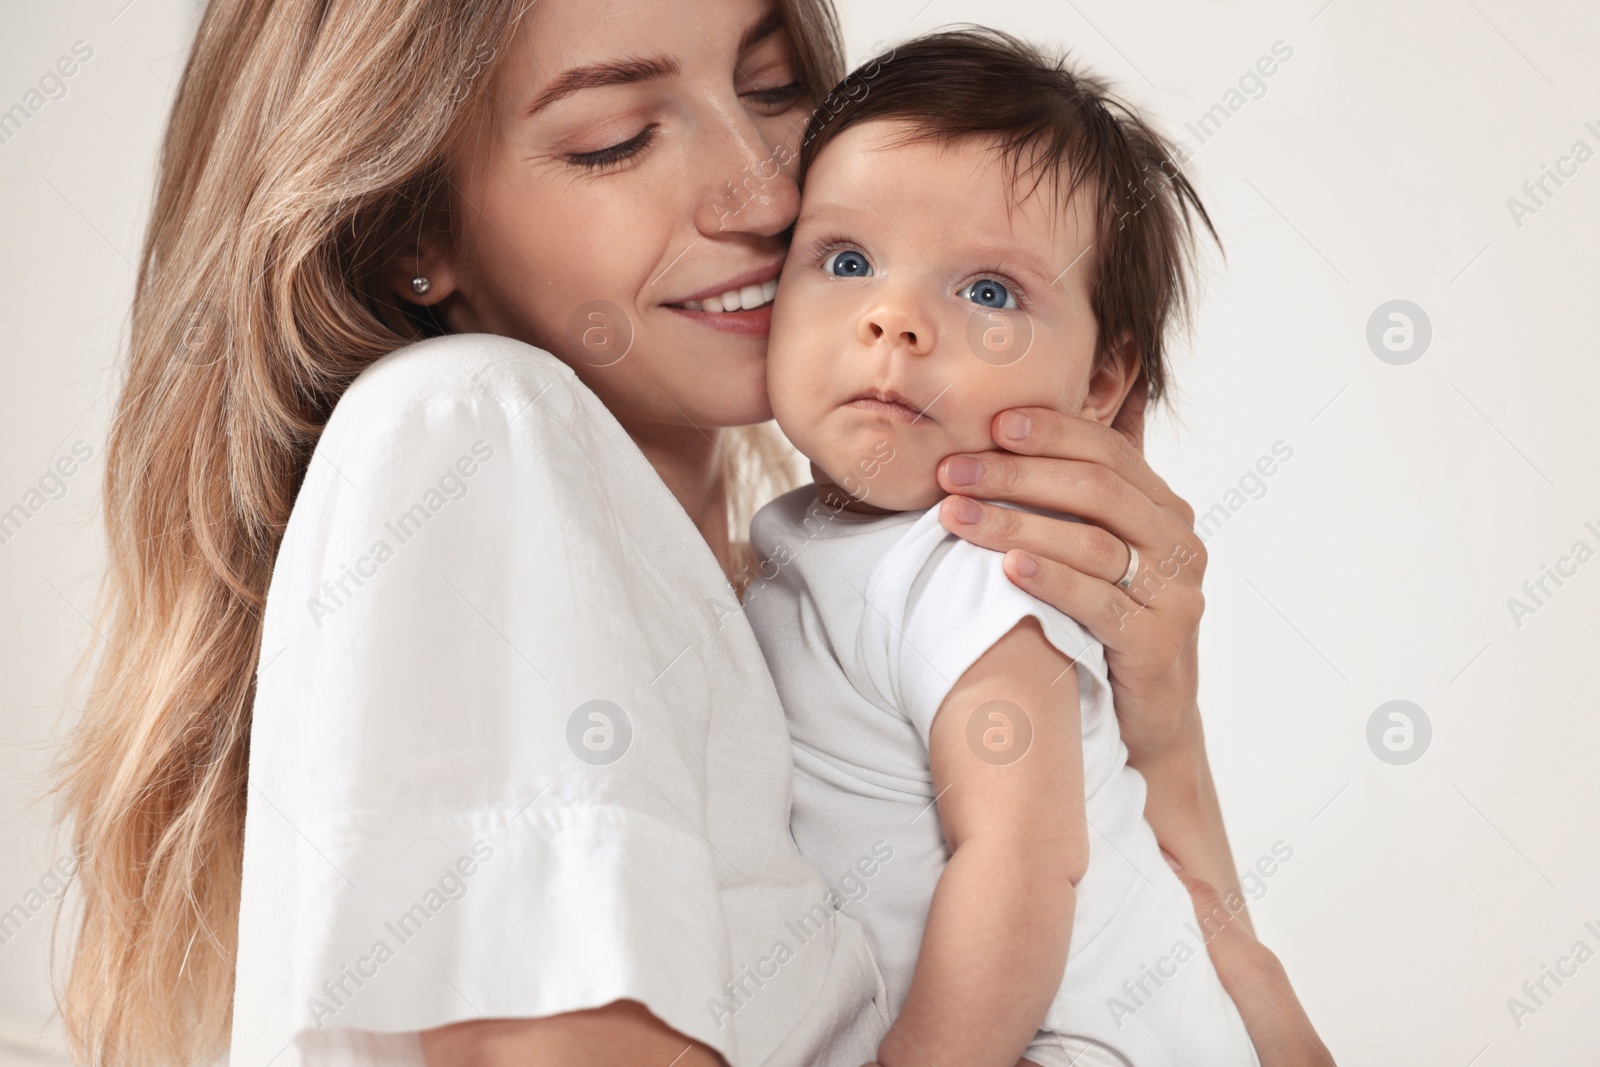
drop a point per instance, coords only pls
(936, 603)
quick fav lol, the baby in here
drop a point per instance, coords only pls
(981, 229)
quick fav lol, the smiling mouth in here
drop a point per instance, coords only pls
(889, 403)
(744, 298)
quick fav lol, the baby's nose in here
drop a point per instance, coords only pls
(898, 325)
(879, 331)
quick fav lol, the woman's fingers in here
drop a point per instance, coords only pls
(1080, 545)
(1116, 619)
(1121, 514)
(1273, 1016)
(1083, 488)
(1054, 434)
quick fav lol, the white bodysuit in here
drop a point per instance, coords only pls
(867, 622)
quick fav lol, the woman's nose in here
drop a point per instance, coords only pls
(750, 187)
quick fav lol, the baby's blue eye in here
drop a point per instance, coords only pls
(986, 292)
(847, 264)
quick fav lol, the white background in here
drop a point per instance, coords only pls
(1377, 564)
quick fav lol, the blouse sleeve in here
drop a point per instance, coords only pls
(468, 797)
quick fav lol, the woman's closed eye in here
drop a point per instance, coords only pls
(990, 293)
(776, 100)
(613, 154)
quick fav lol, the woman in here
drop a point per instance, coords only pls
(509, 754)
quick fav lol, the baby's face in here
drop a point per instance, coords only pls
(919, 300)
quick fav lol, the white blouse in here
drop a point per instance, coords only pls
(515, 751)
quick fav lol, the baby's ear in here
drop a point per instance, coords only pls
(1115, 372)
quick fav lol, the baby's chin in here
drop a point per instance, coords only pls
(888, 488)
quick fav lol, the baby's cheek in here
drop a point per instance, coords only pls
(966, 414)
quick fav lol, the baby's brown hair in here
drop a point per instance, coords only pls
(1049, 121)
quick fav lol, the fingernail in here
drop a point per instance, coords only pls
(963, 470)
(1027, 566)
(1015, 425)
(965, 511)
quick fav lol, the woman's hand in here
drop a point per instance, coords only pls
(1065, 463)
(1278, 1026)
(1069, 464)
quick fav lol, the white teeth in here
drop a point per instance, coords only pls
(744, 298)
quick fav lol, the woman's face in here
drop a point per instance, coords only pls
(635, 169)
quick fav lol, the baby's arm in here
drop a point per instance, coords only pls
(1000, 923)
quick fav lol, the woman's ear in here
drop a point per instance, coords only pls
(1114, 375)
(426, 261)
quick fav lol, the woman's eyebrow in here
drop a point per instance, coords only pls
(769, 24)
(598, 75)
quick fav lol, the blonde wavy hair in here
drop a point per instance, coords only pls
(307, 137)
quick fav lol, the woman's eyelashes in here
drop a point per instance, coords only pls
(614, 154)
(778, 99)
(774, 101)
